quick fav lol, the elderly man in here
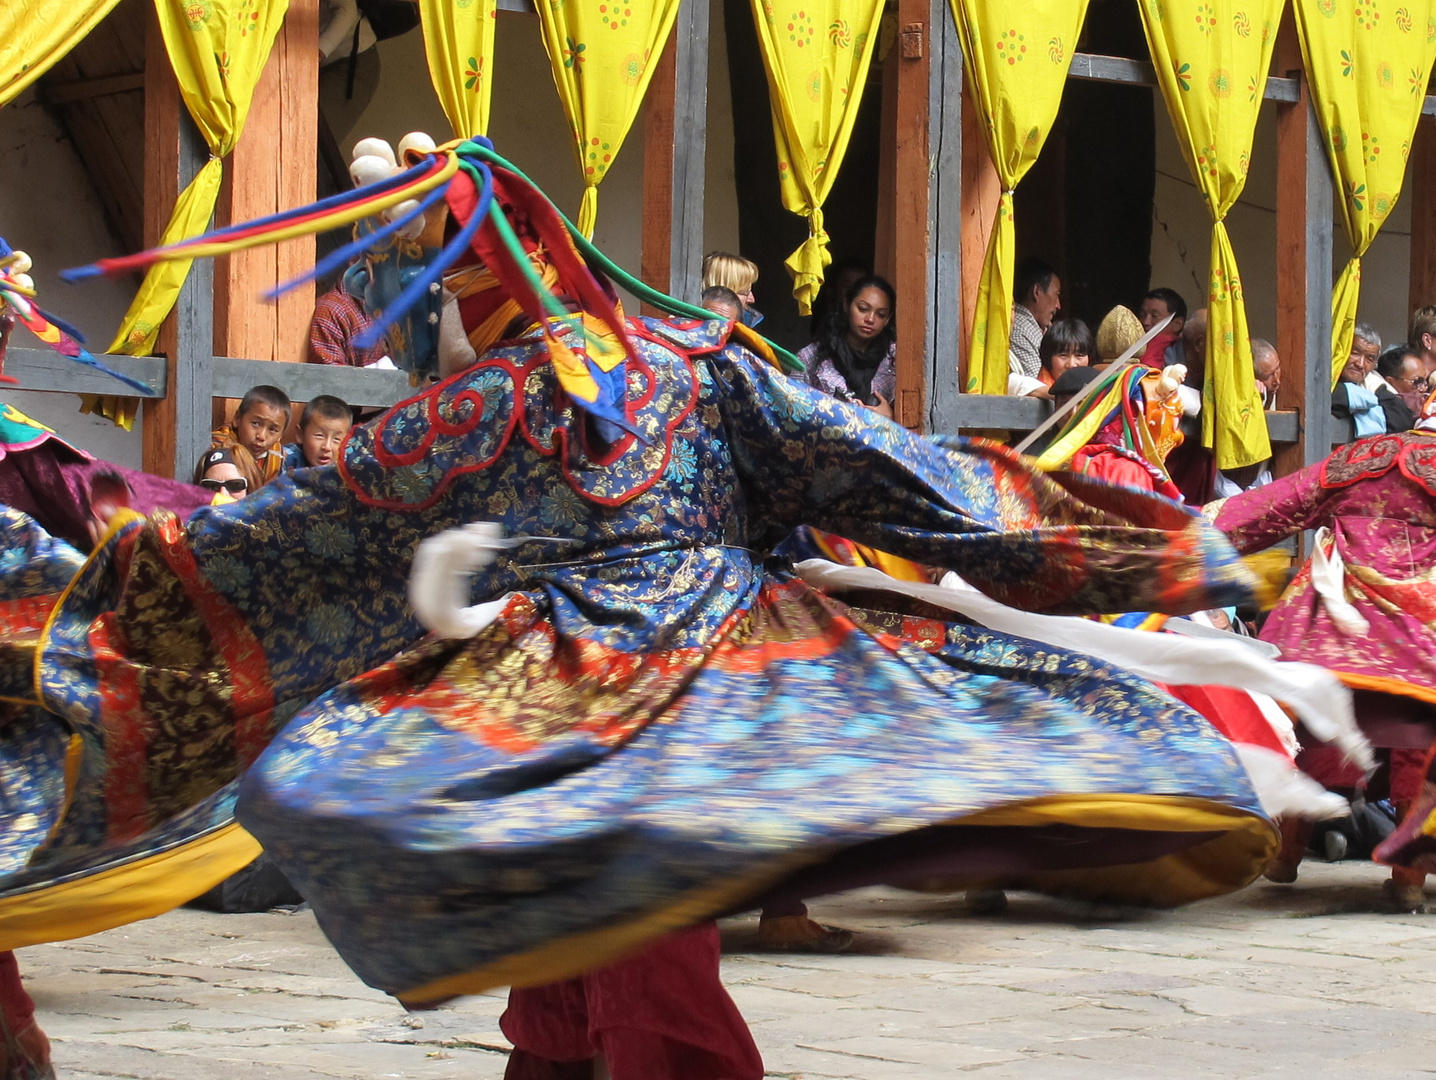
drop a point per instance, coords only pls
(1352, 400)
(1038, 299)
(1266, 366)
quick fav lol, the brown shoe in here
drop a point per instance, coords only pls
(798, 933)
(1280, 871)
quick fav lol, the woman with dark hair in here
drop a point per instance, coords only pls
(855, 356)
(1068, 343)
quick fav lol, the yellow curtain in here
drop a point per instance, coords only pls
(816, 53)
(34, 35)
(1016, 54)
(1212, 69)
(218, 49)
(1368, 66)
(602, 54)
(459, 43)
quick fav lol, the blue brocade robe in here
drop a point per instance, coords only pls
(664, 723)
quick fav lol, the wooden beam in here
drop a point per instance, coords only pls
(1423, 217)
(981, 191)
(298, 48)
(1304, 192)
(47, 370)
(304, 382)
(912, 54)
(1121, 69)
(675, 151)
(163, 181)
(944, 285)
(986, 412)
(659, 147)
(59, 93)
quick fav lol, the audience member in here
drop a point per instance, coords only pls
(1071, 383)
(1192, 466)
(855, 357)
(1351, 400)
(839, 278)
(1266, 366)
(738, 274)
(323, 426)
(1156, 306)
(1423, 337)
(337, 320)
(1067, 344)
(1403, 372)
(722, 301)
(253, 438)
(1037, 300)
(219, 474)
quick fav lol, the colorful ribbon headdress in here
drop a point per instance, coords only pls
(17, 295)
(501, 217)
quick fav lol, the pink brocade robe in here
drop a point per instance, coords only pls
(1378, 497)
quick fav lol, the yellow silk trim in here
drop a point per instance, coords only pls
(124, 894)
(1224, 863)
(459, 46)
(37, 34)
(817, 62)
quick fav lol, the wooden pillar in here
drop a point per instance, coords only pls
(176, 426)
(272, 168)
(675, 149)
(1303, 268)
(925, 223)
(1423, 216)
(981, 192)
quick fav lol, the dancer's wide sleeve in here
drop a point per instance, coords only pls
(1056, 543)
(1260, 517)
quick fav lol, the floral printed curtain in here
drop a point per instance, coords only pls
(1016, 54)
(36, 33)
(602, 54)
(459, 44)
(816, 54)
(1368, 65)
(1212, 58)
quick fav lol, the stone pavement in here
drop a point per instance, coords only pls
(1305, 981)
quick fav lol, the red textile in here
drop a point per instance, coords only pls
(1233, 713)
(659, 1014)
(1155, 354)
(24, 1050)
(338, 319)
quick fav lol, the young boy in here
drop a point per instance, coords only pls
(253, 439)
(325, 422)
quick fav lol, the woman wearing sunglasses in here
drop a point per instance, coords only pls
(220, 474)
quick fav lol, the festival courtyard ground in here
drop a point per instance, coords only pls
(1305, 981)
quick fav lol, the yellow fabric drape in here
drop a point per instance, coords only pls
(1212, 69)
(602, 53)
(218, 49)
(459, 44)
(37, 33)
(816, 54)
(1016, 54)
(1368, 66)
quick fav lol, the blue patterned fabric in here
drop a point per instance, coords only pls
(663, 722)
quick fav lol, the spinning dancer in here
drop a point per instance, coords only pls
(642, 723)
(1361, 606)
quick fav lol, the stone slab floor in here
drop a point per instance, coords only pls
(1306, 981)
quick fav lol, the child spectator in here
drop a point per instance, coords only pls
(219, 474)
(253, 439)
(323, 425)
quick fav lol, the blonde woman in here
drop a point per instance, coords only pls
(737, 273)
